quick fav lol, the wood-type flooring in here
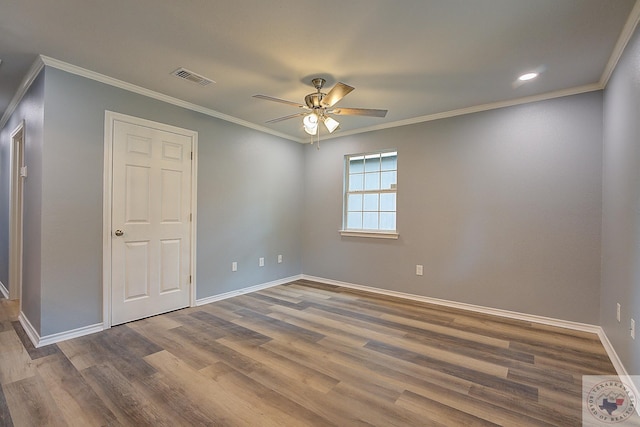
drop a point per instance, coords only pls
(301, 354)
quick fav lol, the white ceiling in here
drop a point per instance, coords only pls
(416, 58)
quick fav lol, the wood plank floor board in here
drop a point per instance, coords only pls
(78, 402)
(265, 398)
(311, 376)
(383, 311)
(584, 358)
(308, 320)
(195, 325)
(126, 355)
(435, 413)
(34, 353)
(277, 328)
(337, 412)
(552, 414)
(506, 357)
(222, 403)
(302, 354)
(16, 363)
(364, 328)
(178, 342)
(254, 304)
(5, 416)
(373, 409)
(30, 403)
(224, 309)
(517, 389)
(349, 327)
(284, 293)
(123, 399)
(388, 369)
(164, 394)
(446, 330)
(232, 330)
(274, 300)
(445, 355)
(475, 408)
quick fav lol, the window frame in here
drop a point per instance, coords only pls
(375, 233)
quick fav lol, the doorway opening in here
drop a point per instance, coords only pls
(18, 172)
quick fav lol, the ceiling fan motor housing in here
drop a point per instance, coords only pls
(313, 100)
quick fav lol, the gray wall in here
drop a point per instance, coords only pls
(503, 209)
(30, 110)
(249, 199)
(621, 207)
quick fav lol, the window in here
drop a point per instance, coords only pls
(370, 194)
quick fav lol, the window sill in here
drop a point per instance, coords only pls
(368, 233)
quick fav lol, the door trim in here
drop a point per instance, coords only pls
(16, 206)
(110, 118)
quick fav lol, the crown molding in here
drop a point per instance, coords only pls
(26, 83)
(623, 40)
(475, 109)
(625, 36)
(92, 75)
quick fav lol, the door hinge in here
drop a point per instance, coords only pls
(192, 155)
(190, 217)
(189, 279)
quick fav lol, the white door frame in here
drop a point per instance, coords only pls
(17, 175)
(110, 118)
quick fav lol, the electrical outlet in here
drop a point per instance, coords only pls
(279, 259)
(618, 312)
(234, 266)
(633, 329)
(419, 270)
(261, 262)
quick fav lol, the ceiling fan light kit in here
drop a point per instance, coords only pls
(319, 106)
(331, 124)
(310, 123)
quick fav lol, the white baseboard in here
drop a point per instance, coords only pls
(4, 291)
(67, 335)
(39, 341)
(583, 327)
(250, 289)
(549, 321)
(620, 369)
(29, 329)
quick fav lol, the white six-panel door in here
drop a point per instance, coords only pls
(150, 221)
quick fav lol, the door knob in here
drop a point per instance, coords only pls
(119, 233)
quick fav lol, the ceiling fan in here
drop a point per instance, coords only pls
(318, 107)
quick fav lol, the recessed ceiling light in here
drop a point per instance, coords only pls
(528, 76)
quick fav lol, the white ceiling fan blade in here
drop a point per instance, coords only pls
(291, 116)
(359, 112)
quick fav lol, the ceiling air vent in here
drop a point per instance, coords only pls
(185, 74)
